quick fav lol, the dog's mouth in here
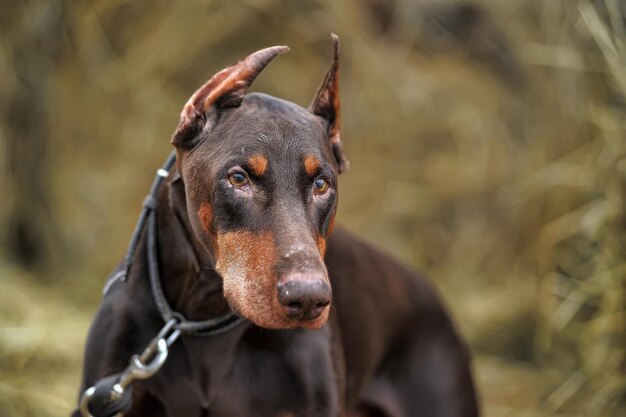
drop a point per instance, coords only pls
(293, 303)
(279, 318)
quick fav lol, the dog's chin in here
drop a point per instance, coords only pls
(315, 323)
(277, 320)
(284, 323)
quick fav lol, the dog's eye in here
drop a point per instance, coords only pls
(320, 185)
(238, 179)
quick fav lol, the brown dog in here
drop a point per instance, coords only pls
(243, 223)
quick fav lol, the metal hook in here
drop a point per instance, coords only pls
(139, 370)
(84, 401)
(140, 367)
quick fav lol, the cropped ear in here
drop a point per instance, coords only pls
(225, 89)
(326, 105)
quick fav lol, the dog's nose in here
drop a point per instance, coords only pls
(304, 299)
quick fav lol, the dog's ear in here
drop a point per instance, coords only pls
(225, 89)
(326, 105)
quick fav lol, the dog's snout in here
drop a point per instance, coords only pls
(304, 299)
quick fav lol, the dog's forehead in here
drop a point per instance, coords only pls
(266, 122)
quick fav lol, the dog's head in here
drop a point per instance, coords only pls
(260, 178)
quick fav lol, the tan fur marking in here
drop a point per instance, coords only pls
(331, 226)
(245, 265)
(321, 245)
(311, 165)
(206, 216)
(258, 164)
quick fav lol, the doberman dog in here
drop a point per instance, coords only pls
(331, 326)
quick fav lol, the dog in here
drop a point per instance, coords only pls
(244, 223)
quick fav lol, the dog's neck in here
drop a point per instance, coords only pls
(190, 282)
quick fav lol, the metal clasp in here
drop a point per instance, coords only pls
(140, 366)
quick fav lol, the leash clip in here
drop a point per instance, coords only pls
(141, 366)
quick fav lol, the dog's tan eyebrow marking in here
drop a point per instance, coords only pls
(258, 164)
(311, 165)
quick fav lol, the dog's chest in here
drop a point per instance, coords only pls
(268, 373)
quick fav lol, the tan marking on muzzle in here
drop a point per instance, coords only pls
(246, 265)
(258, 164)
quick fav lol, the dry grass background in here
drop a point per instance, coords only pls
(487, 146)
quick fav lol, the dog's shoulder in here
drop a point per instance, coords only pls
(366, 274)
(352, 254)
